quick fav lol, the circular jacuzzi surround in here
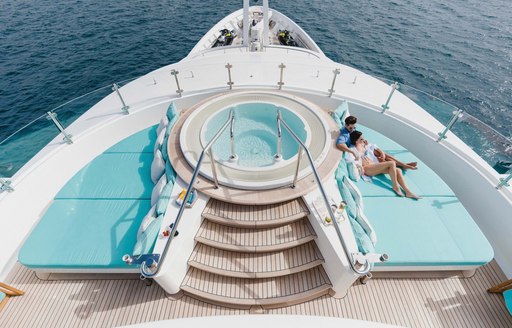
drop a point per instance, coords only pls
(255, 129)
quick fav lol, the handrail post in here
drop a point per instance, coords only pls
(6, 185)
(456, 115)
(230, 83)
(214, 170)
(394, 86)
(281, 83)
(67, 136)
(125, 108)
(233, 157)
(504, 182)
(336, 73)
(296, 176)
(175, 74)
(277, 156)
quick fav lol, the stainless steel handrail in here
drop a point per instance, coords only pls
(367, 265)
(154, 268)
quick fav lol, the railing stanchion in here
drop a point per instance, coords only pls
(214, 170)
(456, 115)
(281, 83)
(394, 86)
(336, 72)
(504, 182)
(233, 157)
(125, 108)
(175, 74)
(296, 176)
(230, 83)
(67, 137)
(5, 185)
(277, 156)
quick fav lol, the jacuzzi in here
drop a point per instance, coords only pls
(255, 165)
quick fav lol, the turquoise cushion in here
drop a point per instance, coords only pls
(147, 238)
(169, 172)
(508, 300)
(112, 175)
(364, 244)
(171, 113)
(2, 296)
(341, 171)
(163, 149)
(347, 197)
(429, 232)
(353, 172)
(78, 233)
(339, 113)
(163, 200)
(140, 142)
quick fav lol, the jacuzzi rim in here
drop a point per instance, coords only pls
(275, 164)
(191, 154)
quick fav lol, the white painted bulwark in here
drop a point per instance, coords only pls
(258, 321)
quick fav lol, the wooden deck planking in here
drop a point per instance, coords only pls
(418, 302)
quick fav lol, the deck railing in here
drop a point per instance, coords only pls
(492, 146)
(20, 146)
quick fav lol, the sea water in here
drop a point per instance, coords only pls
(51, 52)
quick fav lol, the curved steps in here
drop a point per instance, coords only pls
(265, 292)
(255, 216)
(256, 255)
(259, 265)
(255, 240)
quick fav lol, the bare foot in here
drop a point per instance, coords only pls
(412, 196)
(397, 191)
(411, 166)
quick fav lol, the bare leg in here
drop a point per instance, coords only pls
(407, 166)
(401, 181)
(385, 167)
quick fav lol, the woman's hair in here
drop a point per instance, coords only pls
(354, 136)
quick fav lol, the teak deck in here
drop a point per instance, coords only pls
(415, 302)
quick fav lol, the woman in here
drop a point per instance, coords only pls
(369, 164)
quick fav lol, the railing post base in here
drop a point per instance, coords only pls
(6, 185)
(125, 108)
(175, 74)
(67, 137)
(336, 72)
(233, 158)
(456, 115)
(504, 182)
(385, 106)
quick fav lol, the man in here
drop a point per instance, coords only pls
(343, 141)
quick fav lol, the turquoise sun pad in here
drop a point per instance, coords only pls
(95, 217)
(140, 142)
(84, 234)
(423, 181)
(432, 231)
(114, 176)
(508, 300)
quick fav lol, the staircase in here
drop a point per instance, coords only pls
(256, 255)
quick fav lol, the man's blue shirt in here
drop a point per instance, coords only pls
(344, 137)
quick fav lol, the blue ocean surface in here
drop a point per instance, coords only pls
(53, 51)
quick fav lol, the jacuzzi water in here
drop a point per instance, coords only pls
(255, 134)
